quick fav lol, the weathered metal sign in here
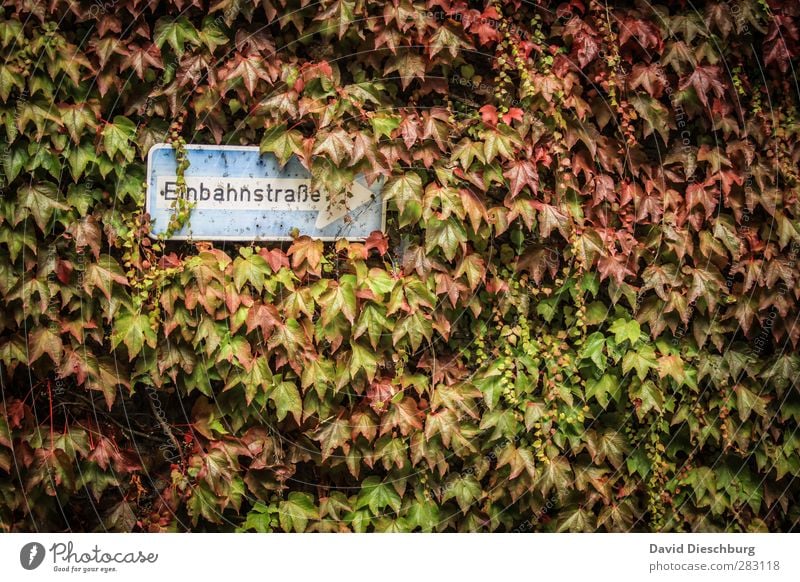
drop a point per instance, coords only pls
(240, 194)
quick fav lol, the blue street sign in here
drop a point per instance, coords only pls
(240, 194)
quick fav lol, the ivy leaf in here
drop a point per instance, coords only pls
(522, 173)
(642, 360)
(103, 274)
(177, 32)
(447, 235)
(374, 322)
(465, 489)
(424, 514)
(287, 399)
(408, 65)
(748, 401)
(340, 298)
(363, 359)
(134, 330)
(625, 330)
(339, 16)
(282, 142)
(593, 350)
(377, 496)
(601, 389)
(44, 341)
(251, 269)
(119, 136)
(41, 200)
(332, 435)
(649, 397)
(296, 511)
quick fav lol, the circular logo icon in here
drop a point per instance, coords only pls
(31, 555)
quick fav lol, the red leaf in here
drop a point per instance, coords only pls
(379, 241)
(276, 258)
(489, 114)
(513, 113)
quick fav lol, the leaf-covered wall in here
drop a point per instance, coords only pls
(583, 315)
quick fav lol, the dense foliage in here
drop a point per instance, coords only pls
(583, 315)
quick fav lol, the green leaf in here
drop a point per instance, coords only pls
(296, 511)
(340, 298)
(287, 399)
(377, 496)
(465, 489)
(424, 514)
(593, 350)
(650, 397)
(134, 331)
(447, 235)
(625, 330)
(252, 269)
(642, 360)
(601, 389)
(282, 142)
(748, 401)
(176, 32)
(332, 435)
(374, 322)
(120, 136)
(384, 125)
(363, 359)
(41, 201)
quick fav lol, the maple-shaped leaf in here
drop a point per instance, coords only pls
(141, 59)
(552, 217)
(377, 495)
(249, 68)
(403, 415)
(514, 113)
(707, 282)
(408, 64)
(287, 399)
(488, 115)
(641, 359)
(704, 79)
(654, 113)
(41, 200)
(465, 489)
(374, 323)
(250, 268)
(44, 341)
(120, 136)
(519, 460)
(77, 118)
(645, 34)
(332, 435)
(134, 330)
(556, 474)
(337, 144)
(447, 38)
(338, 16)
(613, 266)
(340, 298)
(176, 32)
(103, 274)
(296, 511)
(522, 173)
(306, 254)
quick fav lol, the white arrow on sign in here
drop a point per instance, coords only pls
(331, 213)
